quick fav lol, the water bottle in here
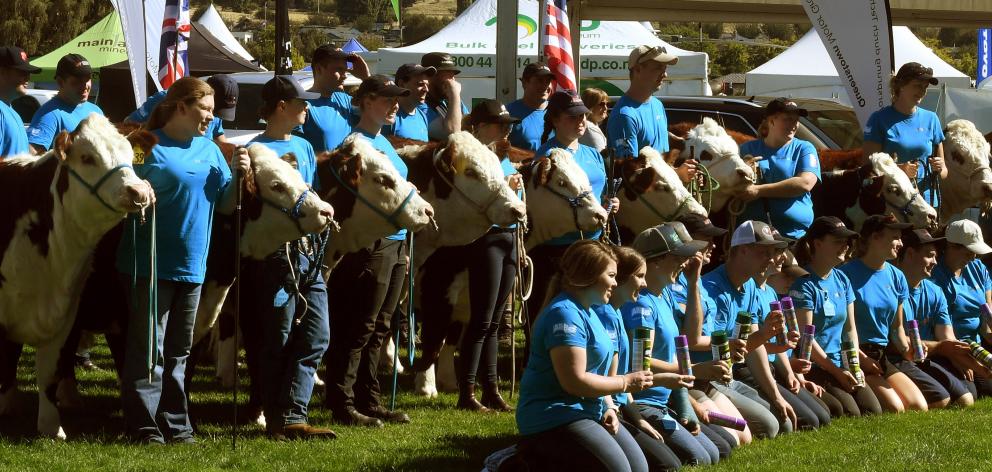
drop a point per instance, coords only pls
(641, 351)
(682, 354)
(789, 311)
(852, 362)
(727, 421)
(916, 344)
(720, 347)
(806, 343)
(781, 339)
(982, 355)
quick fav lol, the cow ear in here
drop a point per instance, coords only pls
(351, 171)
(62, 143)
(290, 158)
(142, 143)
(227, 150)
(643, 180)
(544, 171)
(446, 159)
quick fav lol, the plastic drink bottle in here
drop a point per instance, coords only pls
(982, 355)
(682, 354)
(806, 343)
(851, 361)
(781, 339)
(916, 344)
(641, 351)
(789, 311)
(720, 419)
(720, 347)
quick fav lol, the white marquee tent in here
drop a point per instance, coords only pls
(211, 20)
(471, 39)
(805, 69)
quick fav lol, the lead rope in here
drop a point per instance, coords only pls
(411, 325)
(151, 360)
(519, 312)
(237, 306)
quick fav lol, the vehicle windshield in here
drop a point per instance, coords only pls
(841, 126)
(246, 114)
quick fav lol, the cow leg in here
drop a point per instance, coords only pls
(10, 353)
(386, 358)
(67, 394)
(446, 379)
(46, 365)
(424, 383)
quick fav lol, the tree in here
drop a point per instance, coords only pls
(40, 26)
(417, 28)
(781, 31)
(263, 48)
(748, 30)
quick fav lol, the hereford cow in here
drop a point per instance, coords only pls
(969, 180)
(651, 194)
(878, 187)
(56, 208)
(719, 152)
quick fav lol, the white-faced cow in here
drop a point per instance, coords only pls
(651, 194)
(56, 208)
(719, 152)
(969, 180)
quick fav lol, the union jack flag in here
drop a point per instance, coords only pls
(558, 45)
(173, 63)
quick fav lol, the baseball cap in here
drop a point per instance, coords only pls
(876, 223)
(567, 101)
(825, 225)
(536, 69)
(74, 65)
(756, 232)
(968, 234)
(916, 71)
(784, 105)
(664, 239)
(701, 226)
(225, 95)
(380, 85)
(491, 111)
(283, 87)
(15, 58)
(645, 53)
(440, 61)
(408, 71)
(328, 52)
(915, 237)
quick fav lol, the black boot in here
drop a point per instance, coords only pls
(466, 399)
(493, 400)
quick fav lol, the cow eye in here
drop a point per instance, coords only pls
(894, 189)
(87, 159)
(705, 156)
(385, 181)
(471, 173)
(561, 183)
(278, 187)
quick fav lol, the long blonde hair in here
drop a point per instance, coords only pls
(583, 262)
(185, 90)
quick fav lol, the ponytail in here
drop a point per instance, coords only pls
(548, 127)
(185, 90)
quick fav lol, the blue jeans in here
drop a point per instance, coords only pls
(290, 353)
(155, 406)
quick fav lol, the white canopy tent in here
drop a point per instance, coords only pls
(471, 39)
(805, 69)
(211, 20)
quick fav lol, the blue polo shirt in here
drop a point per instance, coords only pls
(730, 300)
(911, 137)
(544, 404)
(790, 215)
(828, 298)
(633, 125)
(877, 296)
(214, 130)
(409, 125)
(654, 313)
(434, 119)
(306, 160)
(189, 179)
(13, 138)
(613, 323)
(56, 116)
(382, 144)
(929, 308)
(965, 295)
(591, 162)
(527, 133)
(679, 293)
(329, 121)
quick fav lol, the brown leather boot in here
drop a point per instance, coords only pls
(467, 401)
(493, 400)
(306, 431)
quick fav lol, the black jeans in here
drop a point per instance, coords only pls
(364, 290)
(583, 445)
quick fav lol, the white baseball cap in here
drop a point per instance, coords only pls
(756, 232)
(968, 234)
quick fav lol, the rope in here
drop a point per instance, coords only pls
(151, 359)
(237, 307)
(702, 183)
(412, 325)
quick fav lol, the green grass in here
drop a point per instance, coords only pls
(441, 438)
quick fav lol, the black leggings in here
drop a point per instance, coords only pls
(861, 402)
(583, 445)
(491, 262)
(659, 456)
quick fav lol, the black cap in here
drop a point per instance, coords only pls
(440, 61)
(916, 71)
(701, 226)
(74, 65)
(328, 52)
(784, 105)
(491, 111)
(536, 69)
(876, 223)
(15, 58)
(566, 101)
(380, 85)
(284, 87)
(408, 71)
(918, 237)
(825, 225)
(225, 95)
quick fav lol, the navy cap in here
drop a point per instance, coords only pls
(74, 65)
(225, 95)
(784, 105)
(379, 85)
(284, 87)
(567, 101)
(491, 111)
(408, 71)
(440, 61)
(15, 58)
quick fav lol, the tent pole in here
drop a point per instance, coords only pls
(506, 50)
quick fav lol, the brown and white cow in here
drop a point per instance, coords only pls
(719, 153)
(56, 209)
(651, 194)
(969, 179)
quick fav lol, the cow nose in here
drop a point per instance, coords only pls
(429, 212)
(327, 213)
(518, 213)
(138, 195)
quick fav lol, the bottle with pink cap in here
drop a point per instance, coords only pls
(805, 348)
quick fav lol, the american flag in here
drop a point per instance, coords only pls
(558, 45)
(173, 63)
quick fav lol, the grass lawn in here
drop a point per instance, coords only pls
(442, 438)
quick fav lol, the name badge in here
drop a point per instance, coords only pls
(828, 306)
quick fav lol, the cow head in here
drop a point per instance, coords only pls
(369, 195)
(652, 193)
(553, 184)
(278, 204)
(715, 149)
(99, 178)
(969, 180)
(887, 187)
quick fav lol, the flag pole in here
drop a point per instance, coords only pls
(542, 26)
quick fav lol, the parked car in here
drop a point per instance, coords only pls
(27, 104)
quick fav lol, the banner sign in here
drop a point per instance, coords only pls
(858, 37)
(984, 56)
(141, 22)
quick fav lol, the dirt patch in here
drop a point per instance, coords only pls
(439, 8)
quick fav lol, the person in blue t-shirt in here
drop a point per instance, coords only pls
(191, 180)
(225, 99)
(967, 285)
(531, 108)
(566, 414)
(66, 109)
(638, 119)
(14, 72)
(912, 135)
(366, 286)
(411, 119)
(880, 308)
(443, 105)
(331, 117)
(948, 360)
(824, 298)
(789, 169)
(566, 117)
(293, 335)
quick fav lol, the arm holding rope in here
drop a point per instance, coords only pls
(240, 165)
(937, 161)
(791, 187)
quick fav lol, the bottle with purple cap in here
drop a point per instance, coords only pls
(781, 339)
(789, 311)
(915, 343)
(805, 348)
(727, 421)
(682, 354)
(987, 314)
